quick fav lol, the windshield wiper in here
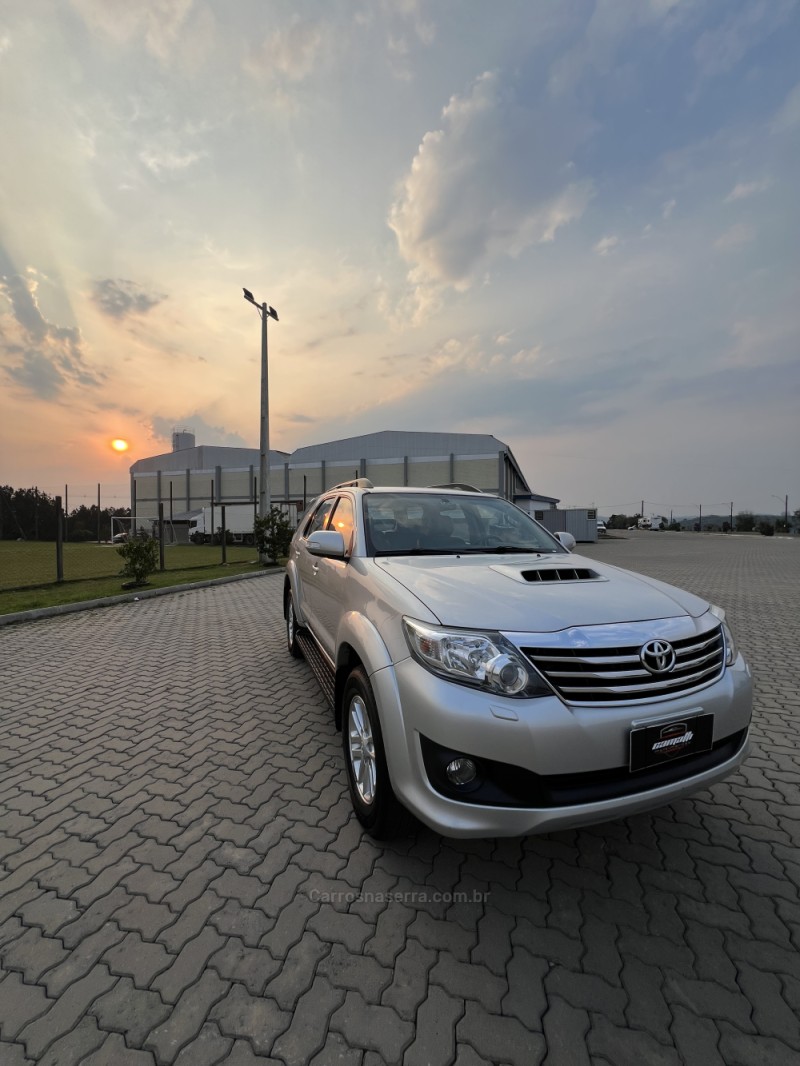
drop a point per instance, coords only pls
(504, 549)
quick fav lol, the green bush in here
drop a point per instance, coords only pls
(766, 529)
(141, 559)
(273, 534)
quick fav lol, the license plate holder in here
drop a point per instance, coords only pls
(657, 745)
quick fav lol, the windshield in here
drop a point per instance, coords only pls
(431, 524)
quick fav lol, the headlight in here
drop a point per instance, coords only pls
(731, 650)
(470, 657)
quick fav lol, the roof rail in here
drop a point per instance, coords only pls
(456, 485)
(358, 483)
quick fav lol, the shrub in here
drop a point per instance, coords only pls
(273, 534)
(766, 529)
(141, 559)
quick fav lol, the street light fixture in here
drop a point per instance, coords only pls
(266, 312)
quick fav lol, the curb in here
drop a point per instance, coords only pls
(130, 597)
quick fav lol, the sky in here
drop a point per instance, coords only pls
(573, 225)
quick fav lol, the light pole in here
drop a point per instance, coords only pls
(266, 312)
(785, 501)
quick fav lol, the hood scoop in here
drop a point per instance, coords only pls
(561, 573)
(550, 575)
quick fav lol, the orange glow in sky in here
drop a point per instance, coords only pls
(120, 445)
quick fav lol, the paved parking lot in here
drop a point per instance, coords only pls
(181, 880)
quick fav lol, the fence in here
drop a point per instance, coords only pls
(26, 564)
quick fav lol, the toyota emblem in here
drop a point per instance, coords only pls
(658, 656)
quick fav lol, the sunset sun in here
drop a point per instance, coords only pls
(119, 445)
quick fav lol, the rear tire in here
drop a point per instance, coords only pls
(291, 629)
(374, 802)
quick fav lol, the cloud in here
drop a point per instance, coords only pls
(718, 50)
(735, 237)
(37, 374)
(205, 432)
(743, 189)
(606, 245)
(290, 53)
(492, 181)
(406, 26)
(167, 161)
(161, 26)
(41, 357)
(596, 51)
(788, 115)
(118, 298)
(516, 395)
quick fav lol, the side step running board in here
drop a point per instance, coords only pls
(320, 667)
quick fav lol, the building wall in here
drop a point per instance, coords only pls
(196, 483)
(385, 471)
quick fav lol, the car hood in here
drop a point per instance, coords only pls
(535, 594)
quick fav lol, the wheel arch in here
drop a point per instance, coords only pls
(359, 644)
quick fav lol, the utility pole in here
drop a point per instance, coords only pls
(264, 499)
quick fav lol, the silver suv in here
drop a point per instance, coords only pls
(491, 682)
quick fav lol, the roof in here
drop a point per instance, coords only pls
(206, 457)
(535, 496)
(395, 444)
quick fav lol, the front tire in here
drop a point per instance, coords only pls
(371, 793)
(291, 629)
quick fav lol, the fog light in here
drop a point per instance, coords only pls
(461, 771)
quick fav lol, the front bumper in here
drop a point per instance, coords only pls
(550, 740)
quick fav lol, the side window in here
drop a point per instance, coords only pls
(320, 515)
(343, 521)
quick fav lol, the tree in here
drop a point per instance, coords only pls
(27, 514)
(273, 534)
(82, 523)
(618, 521)
(745, 522)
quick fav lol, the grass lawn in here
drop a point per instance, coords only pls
(92, 571)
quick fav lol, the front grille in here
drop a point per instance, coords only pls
(617, 675)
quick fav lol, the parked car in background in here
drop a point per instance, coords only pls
(494, 684)
(601, 528)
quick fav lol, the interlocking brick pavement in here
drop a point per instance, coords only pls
(182, 882)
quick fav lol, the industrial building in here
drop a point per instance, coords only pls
(193, 476)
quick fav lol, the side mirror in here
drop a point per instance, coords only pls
(326, 542)
(567, 540)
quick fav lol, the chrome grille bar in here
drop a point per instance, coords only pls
(604, 675)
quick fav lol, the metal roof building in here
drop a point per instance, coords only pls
(191, 477)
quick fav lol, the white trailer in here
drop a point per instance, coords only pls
(205, 528)
(655, 521)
